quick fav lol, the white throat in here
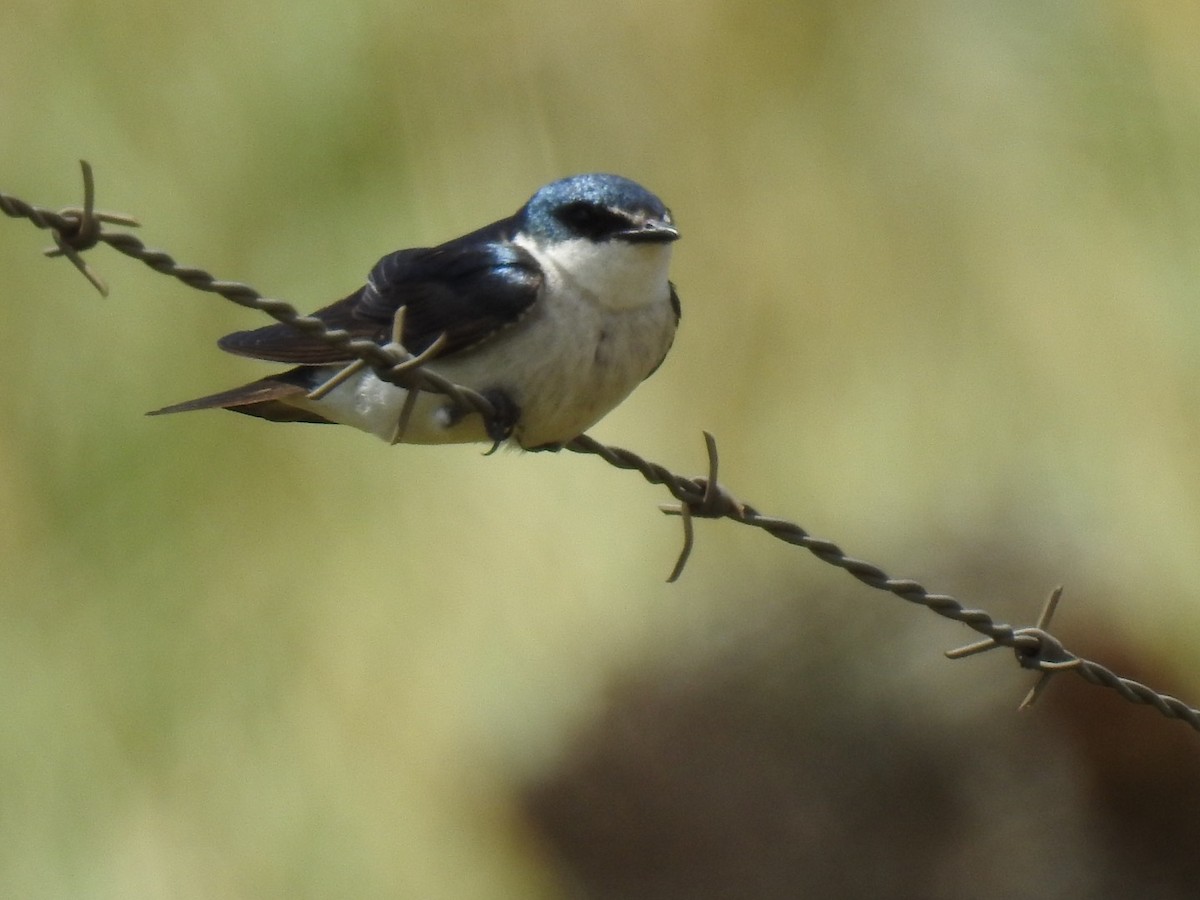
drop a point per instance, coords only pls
(615, 274)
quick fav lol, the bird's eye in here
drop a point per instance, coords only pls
(590, 220)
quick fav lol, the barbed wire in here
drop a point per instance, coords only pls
(77, 229)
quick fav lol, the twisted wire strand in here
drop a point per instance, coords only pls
(1035, 648)
(388, 362)
(691, 491)
(77, 229)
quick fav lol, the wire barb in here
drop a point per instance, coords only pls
(339, 377)
(1037, 649)
(713, 502)
(78, 228)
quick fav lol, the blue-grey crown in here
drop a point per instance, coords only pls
(598, 207)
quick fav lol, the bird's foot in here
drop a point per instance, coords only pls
(499, 426)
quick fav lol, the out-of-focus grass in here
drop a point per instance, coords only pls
(939, 275)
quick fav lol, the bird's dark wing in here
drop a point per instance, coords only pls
(678, 310)
(467, 289)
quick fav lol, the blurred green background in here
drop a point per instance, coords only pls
(940, 272)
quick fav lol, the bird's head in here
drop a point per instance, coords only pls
(597, 208)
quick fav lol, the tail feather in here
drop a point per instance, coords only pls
(265, 399)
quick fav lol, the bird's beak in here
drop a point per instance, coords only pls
(652, 231)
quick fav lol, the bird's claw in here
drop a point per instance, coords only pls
(501, 425)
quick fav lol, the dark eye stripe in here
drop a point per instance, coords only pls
(591, 220)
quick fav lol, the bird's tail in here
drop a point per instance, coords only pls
(266, 398)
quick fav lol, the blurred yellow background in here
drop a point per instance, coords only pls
(940, 271)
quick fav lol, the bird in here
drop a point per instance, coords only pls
(555, 314)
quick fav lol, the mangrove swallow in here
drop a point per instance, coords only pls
(555, 314)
